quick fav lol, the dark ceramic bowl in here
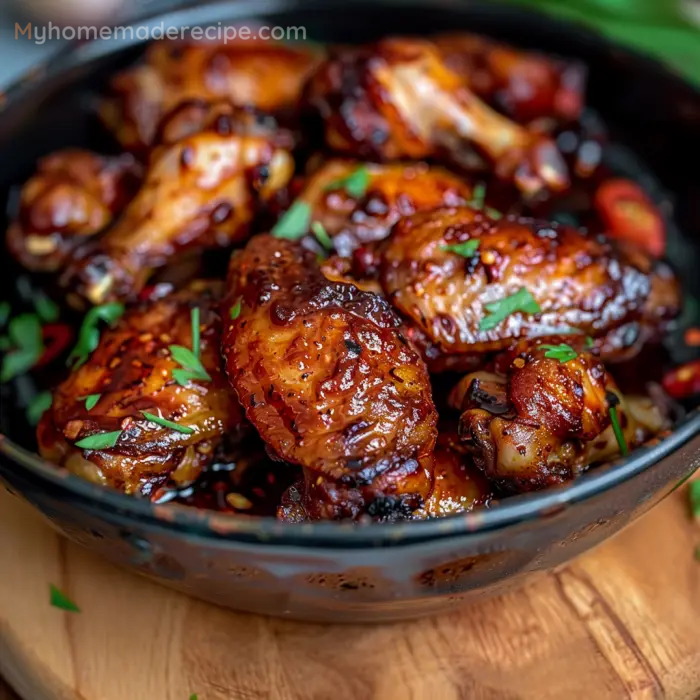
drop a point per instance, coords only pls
(330, 571)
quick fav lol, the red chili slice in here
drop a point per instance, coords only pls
(630, 215)
(57, 337)
(683, 381)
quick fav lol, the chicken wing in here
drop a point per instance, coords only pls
(262, 74)
(358, 203)
(472, 284)
(73, 195)
(325, 375)
(398, 99)
(131, 371)
(202, 191)
(524, 85)
(544, 416)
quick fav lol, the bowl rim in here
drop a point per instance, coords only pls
(266, 529)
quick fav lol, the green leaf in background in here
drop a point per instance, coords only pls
(664, 29)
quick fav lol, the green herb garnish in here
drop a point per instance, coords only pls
(62, 601)
(588, 342)
(194, 696)
(167, 423)
(5, 311)
(322, 235)
(192, 368)
(478, 201)
(466, 249)
(694, 498)
(194, 318)
(294, 223)
(46, 309)
(89, 334)
(99, 441)
(561, 352)
(522, 300)
(613, 403)
(355, 184)
(26, 340)
(38, 406)
(236, 309)
(90, 401)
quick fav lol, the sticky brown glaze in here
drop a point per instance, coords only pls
(458, 486)
(393, 191)
(202, 191)
(536, 421)
(398, 99)
(325, 375)
(262, 74)
(131, 369)
(73, 195)
(524, 85)
(616, 294)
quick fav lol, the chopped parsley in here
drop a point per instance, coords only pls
(190, 364)
(478, 201)
(355, 184)
(27, 344)
(294, 223)
(89, 334)
(90, 401)
(466, 249)
(694, 498)
(322, 236)
(159, 420)
(613, 403)
(46, 309)
(38, 406)
(99, 441)
(62, 601)
(522, 300)
(561, 352)
(194, 319)
(236, 309)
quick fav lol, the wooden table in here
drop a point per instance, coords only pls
(620, 622)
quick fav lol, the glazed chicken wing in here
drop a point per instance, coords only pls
(73, 195)
(399, 99)
(524, 85)
(133, 370)
(261, 74)
(473, 285)
(201, 191)
(358, 203)
(325, 375)
(542, 417)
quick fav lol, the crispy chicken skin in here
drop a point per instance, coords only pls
(73, 195)
(398, 99)
(616, 294)
(262, 74)
(325, 375)
(524, 85)
(392, 191)
(536, 421)
(131, 370)
(202, 191)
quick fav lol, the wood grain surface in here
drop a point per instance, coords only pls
(620, 622)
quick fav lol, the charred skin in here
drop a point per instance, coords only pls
(262, 74)
(132, 369)
(393, 191)
(398, 99)
(202, 191)
(524, 85)
(618, 295)
(73, 195)
(536, 421)
(325, 375)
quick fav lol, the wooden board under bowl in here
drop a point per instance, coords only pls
(620, 622)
